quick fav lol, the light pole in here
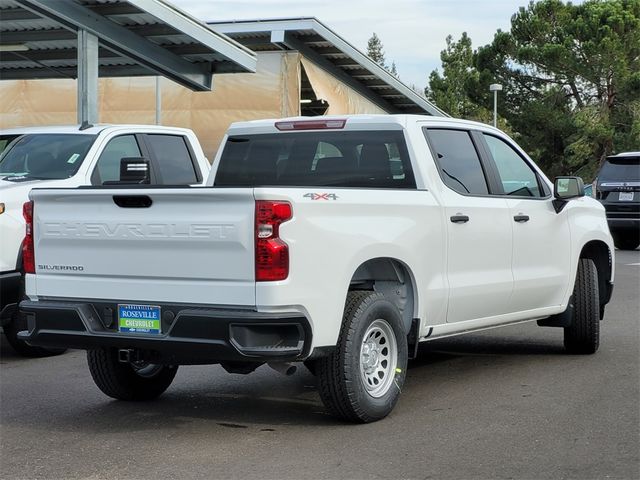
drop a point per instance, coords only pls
(495, 88)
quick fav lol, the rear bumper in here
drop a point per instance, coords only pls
(623, 223)
(10, 289)
(191, 334)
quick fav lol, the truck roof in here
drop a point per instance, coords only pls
(92, 130)
(268, 125)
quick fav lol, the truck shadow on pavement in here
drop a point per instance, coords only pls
(207, 398)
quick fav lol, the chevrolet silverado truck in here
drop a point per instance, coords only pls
(340, 242)
(70, 156)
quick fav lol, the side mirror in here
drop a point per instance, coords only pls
(134, 170)
(566, 188)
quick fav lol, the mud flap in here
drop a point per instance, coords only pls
(563, 320)
(412, 339)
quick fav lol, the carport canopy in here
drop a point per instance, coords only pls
(85, 39)
(329, 51)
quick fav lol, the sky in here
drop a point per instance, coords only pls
(413, 32)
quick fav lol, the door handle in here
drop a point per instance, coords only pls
(132, 201)
(459, 219)
(521, 218)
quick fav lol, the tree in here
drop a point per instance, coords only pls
(571, 77)
(375, 50)
(449, 90)
(393, 71)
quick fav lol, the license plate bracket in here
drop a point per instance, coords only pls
(139, 319)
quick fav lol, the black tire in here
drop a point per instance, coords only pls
(583, 336)
(340, 382)
(121, 380)
(17, 324)
(626, 242)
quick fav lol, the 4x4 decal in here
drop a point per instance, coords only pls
(321, 196)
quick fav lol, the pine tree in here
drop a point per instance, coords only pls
(393, 70)
(375, 50)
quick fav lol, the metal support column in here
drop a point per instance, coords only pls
(87, 78)
(158, 101)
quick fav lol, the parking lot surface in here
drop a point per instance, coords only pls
(506, 403)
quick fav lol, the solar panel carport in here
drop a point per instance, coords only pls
(85, 39)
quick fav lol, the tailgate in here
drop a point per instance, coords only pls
(177, 245)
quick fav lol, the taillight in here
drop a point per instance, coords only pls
(272, 254)
(28, 254)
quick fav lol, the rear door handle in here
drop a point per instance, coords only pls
(459, 219)
(521, 218)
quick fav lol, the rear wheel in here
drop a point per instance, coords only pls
(17, 324)
(583, 336)
(361, 379)
(128, 381)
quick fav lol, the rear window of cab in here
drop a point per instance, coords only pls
(365, 159)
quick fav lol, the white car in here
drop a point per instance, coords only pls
(67, 157)
(342, 242)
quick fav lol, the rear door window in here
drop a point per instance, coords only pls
(458, 161)
(173, 159)
(363, 159)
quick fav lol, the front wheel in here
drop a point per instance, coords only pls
(128, 381)
(583, 336)
(362, 379)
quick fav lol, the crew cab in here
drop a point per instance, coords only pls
(70, 156)
(340, 242)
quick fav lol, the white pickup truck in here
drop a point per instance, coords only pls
(68, 156)
(340, 242)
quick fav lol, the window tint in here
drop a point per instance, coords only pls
(108, 168)
(517, 177)
(458, 161)
(45, 156)
(173, 158)
(338, 158)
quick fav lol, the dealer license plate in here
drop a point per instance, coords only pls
(139, 319)
(626, 196)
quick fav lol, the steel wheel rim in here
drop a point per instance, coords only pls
(378, 358)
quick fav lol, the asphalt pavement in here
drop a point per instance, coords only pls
(502, 404)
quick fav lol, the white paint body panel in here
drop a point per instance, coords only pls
(488, 272)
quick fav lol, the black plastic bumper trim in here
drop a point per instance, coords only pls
(10, 290)
(194, 336)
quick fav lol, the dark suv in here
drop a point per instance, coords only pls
(618, 188)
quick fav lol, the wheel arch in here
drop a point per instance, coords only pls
(599, 252)
(393, 278)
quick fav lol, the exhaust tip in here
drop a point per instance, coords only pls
(284, 368)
